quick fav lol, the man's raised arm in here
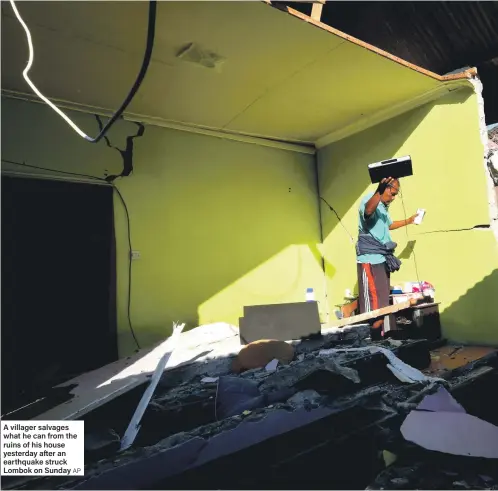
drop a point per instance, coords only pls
(373, 202)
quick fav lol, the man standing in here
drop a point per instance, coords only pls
(375, 250)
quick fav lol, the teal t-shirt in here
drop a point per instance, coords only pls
(377, 225)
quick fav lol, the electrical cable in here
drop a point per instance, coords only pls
(408, 239)
(338, 218)
(406, 231)
(130, 252)
(138, 81)
(22, 164)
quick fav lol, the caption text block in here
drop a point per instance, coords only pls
(42, 448)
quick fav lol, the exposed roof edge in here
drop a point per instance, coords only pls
(490, 185)
(470, 73)
(392, 112)
(265, 141)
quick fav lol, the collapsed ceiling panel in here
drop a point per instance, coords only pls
(238, 66)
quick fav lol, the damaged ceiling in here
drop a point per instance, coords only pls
(440, 36)
(292, 81)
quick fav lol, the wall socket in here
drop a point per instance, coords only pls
(135, 255)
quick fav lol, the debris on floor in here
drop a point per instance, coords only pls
(451, 432)
(428, 474)
(236, 395)
(301, 404)
(259, 354)
(441, 400)
(272, 365)
(440, 423)
(449, 357)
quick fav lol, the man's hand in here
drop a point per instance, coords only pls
(402, 223)
(411, 220)
(384, 184)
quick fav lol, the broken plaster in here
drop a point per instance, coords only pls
(492, 200)
(126, 154)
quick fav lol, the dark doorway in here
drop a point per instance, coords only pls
(58, 284)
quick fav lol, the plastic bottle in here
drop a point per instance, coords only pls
(310, 295)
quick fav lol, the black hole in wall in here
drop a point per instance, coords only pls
(58, 313)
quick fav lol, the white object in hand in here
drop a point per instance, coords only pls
(419, 217)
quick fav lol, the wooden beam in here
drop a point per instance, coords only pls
(355, 319)
(316, 11)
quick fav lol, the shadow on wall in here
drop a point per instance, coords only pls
(343, 172)
(485, 331)
(232, 222)
(218, 223)
(343, 180)
(423, 133)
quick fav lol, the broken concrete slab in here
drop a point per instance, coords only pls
(403, 371)
(93, 389)
(172, 424)
(220, 341)
(196, 452)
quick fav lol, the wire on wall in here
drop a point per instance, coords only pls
(406, 231)
(339, 218)
(138, 81)
(408, 240)
(128, 227)
(101, 179)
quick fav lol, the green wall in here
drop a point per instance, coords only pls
(219, 224)
(449, 182)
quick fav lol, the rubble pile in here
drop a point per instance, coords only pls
(340, 397)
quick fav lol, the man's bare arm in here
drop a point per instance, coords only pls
(371, 205)
(373, 202)
(402, 223)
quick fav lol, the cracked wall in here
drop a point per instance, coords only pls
(219, 224)
(455, 247)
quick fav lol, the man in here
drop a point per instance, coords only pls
(375, 250)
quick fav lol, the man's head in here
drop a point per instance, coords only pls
(390, 192)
